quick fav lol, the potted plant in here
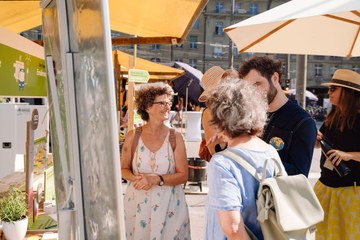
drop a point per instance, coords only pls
(13, 208)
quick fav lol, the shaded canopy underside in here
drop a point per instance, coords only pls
(146, 19)
(158, 72)
(314, 27)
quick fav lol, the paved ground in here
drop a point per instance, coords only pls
(196, 205)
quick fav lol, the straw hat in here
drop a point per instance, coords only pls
(212, 77)
(345, 78)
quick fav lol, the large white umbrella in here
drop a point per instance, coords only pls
(314, 27)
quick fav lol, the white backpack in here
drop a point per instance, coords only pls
(287, 205)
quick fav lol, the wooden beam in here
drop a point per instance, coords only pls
(138, 40)
(145, 40)
(40, 42)
(158, 73)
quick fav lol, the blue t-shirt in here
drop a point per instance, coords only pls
(231, 187)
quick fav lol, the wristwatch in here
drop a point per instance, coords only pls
(161, 180)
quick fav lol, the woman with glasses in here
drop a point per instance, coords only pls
(339, 192)
(155, 206)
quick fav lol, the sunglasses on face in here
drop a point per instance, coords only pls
(163, 104)
(332, 88)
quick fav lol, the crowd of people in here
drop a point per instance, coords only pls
(248, 114)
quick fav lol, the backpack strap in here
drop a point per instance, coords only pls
(172, 139)
(247, 166)
(293, 132)
(137, 134)
(301, 122)
(135, 141)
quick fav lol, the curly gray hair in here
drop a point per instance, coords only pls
(237, 108)
(145, 97)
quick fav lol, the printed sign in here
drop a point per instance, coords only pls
(21, 74)
(139, 76)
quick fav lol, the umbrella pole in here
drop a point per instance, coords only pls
(186, 103)
(187, 98)
(131, 92)
(301, 73)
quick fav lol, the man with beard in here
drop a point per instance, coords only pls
(290, 129)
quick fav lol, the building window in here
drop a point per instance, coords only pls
(196, 24)
(253, 9)
(179, 46)
(155, 60)
(218, 51)
(219, 7)
(334, 58)
(284, 70)
(237, 7)
(355, 68)
(318, 70)
(39, 35)
(317, 57)
(333, 69)
(179, 60)
(219, 29)
(115, 34)
(235, 52)
(193, 41)
(132, 46)
(193, 63)
(155, 46)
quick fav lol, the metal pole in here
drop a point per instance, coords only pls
(187, 93)
(204, 53)
(186, 99)
(301, 73)
(288, 67)
(231, 44)
(171, 52)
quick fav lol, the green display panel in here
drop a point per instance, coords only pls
(21, 74)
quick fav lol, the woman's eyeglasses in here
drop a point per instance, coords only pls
(163, 104)
(332, 88)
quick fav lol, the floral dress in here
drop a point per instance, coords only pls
(160, 212)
